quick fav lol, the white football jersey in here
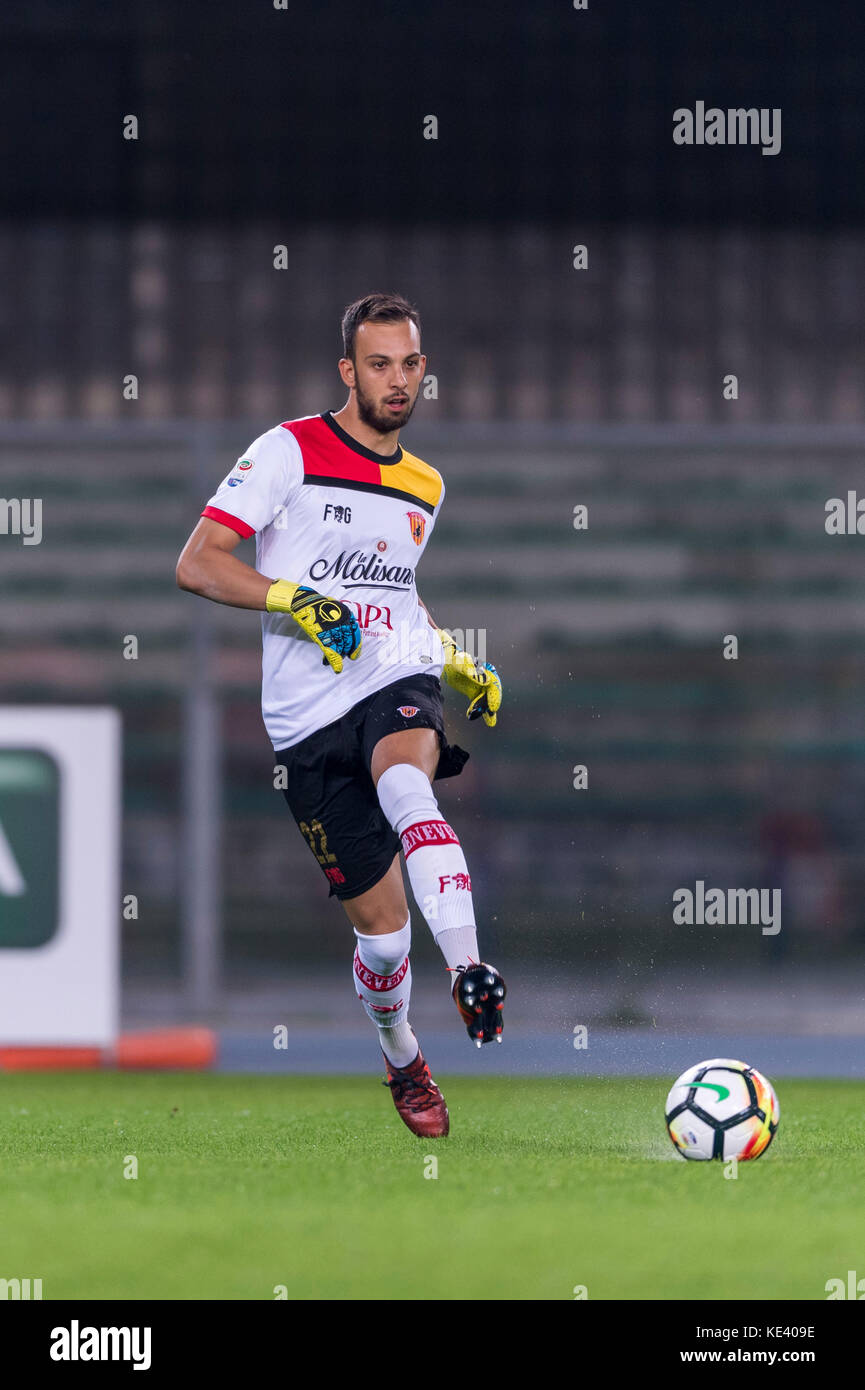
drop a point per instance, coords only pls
(330, 514)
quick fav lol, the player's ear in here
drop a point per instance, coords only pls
(346, 370)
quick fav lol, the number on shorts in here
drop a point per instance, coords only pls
(317, 840)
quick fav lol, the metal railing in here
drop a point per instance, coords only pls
(119, 500)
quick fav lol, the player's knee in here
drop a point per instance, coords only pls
(377, 922)
(383, 949)
(418, 748)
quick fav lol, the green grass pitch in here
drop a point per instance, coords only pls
(246, 1184)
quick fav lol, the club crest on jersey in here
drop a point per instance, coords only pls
(417, 522)
(407, 711)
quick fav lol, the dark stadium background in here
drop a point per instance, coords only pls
(556, 387)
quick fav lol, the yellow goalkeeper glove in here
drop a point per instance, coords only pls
(480, 683)
(330, 623)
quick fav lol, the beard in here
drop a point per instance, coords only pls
(378, 417)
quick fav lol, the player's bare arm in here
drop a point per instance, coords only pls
(208, 566)
(430, 619)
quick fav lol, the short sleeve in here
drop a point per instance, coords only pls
(260, 485)
(441, 498)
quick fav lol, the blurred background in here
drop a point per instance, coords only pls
(149, 338)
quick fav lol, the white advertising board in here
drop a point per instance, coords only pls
(60, 809)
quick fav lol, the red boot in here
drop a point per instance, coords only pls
(418, 1100)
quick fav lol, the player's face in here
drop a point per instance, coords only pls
(388, 371)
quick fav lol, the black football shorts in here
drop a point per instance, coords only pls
(331, 794)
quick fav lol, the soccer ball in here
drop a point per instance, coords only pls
(722, 1109)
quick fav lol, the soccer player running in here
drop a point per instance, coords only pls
(351, 695)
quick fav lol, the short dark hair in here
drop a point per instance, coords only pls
(375, 308)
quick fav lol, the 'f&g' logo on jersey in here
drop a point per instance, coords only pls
(417, 522)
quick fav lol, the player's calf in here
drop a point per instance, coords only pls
(434, 861)
(442, 888)
(382, 980)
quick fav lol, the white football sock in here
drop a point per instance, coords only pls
(382, 979)
(436, 865)
(459, 946)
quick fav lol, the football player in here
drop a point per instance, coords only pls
(352, 669)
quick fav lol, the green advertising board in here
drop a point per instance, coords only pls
(29, 848)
